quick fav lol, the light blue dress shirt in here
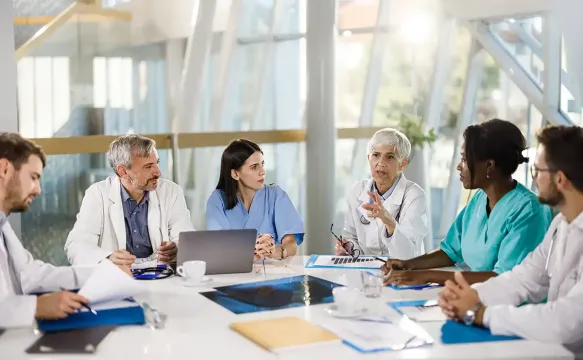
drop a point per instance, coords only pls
(271, 212)
(136, 221)
(516, 226)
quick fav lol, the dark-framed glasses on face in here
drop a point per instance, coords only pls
(535, 170)
(350, 250)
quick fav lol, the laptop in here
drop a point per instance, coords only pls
(225, 251)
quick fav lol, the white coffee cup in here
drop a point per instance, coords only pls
(348, 300)
(192, 271)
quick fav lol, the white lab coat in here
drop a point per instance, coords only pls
(31, 276)
(407, 240)
(560, 319)
(100, 226)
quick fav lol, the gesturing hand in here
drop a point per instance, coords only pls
(377, 210)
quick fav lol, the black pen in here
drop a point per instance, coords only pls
(84, 305)
(379, 259)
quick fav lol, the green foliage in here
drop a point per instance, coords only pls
(413, 129)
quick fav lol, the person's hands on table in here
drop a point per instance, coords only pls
(122, 257)
(167, 251)
(406, 277)
(457, 297)
(264, 246)
(58, 305)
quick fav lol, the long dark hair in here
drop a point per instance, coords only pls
(494, 139)
(234, 156)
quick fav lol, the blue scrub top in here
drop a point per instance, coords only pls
(516, 226)
(271, 212)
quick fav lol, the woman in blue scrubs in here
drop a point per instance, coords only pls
(242, 201)
(500, 225)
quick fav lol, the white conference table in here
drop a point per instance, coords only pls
(197, 327)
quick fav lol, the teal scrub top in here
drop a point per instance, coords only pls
(515, 227)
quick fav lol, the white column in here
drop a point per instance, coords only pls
(433, 110)
(9, 119)
(320, 125)
(474, 76)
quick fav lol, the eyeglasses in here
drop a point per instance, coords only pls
(534, 170)
(347, 246)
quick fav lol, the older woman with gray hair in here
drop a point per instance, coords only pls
(386, 215)
(132, 215)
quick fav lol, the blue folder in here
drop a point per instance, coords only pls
(132, 315)
(457, 333)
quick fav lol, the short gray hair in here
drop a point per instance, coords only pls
(124, 148)
(391, 137)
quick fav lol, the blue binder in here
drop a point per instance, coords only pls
(457, 333)
(132, 315)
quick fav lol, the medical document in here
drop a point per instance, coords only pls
(327, 261)
(367, 336)
(423, 313)
(109, 283)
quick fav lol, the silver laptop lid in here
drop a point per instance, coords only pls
(224, 251)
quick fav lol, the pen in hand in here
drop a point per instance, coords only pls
(84, 305)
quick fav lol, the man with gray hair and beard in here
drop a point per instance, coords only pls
(133, 215)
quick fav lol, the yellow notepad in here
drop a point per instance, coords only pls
(283, 334)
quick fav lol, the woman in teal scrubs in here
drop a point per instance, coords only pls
(501, 224)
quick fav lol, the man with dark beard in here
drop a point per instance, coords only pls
(21, 166)
(134, 214)
(512, 303)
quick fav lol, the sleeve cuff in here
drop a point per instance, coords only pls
(486, 317)
(386, 233)
(22, 311)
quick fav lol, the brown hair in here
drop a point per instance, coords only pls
(17, 149)
(563, 146)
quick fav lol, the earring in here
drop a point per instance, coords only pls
(487, 175)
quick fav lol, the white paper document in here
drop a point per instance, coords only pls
(348, 262)
(423, 313)
(370, 336)
(109, 283)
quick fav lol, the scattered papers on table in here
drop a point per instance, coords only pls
(109, 283)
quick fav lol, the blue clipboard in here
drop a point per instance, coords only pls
(457, 333)
(131, 315)
(311, 264)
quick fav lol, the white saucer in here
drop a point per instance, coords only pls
(333, 311)
(205, 280)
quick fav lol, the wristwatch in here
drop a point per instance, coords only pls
(283, 253)
(470, 315)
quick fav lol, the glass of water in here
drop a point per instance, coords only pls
(372, 283)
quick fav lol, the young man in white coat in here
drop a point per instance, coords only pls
(21, 166)
(553, 271)
(386, 215)
(134, 214)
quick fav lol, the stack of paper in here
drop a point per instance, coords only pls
(372, 336)
(109, 283)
